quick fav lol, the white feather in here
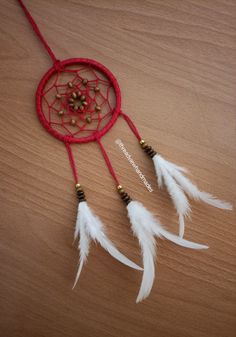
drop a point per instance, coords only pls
(77, 224)
(147, 243)
(89, 226)
(146, 227)
(193, 191)
(84, 245)
(178, 197)
(158, 173)
(176, 184)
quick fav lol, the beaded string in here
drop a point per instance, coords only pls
(125, 197)
(148, 149)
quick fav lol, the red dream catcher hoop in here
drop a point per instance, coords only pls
(78, 100)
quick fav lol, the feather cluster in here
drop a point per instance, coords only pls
(89, 227)
(178, 185)
(145, 227)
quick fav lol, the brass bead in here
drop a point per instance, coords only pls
(71, 100)
(73, 122)
(96, 89)
(83, 98)
(77, 186)
(85, 103)
(88, 119)
(97, 108)
(60, 113)
(144, 145)
(58, 96)
(79, 93)
(119, 187)
(81, 108)
(85, 81)
(70, 84)
(74, 95)
(142, 141)
(76, 107)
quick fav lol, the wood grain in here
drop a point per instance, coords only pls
(176, 65)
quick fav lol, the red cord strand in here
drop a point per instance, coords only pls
(131, 125)
(108, 162)
(72, 162)
(37, 31)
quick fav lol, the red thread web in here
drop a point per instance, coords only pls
(99, 96)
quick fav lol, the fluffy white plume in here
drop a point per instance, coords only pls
(146, 227)
(89, 227)
(176, 184)
(178, 197)
(147, 243)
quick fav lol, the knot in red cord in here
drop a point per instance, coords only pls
(58, 65)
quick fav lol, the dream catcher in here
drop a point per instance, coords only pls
(78, 101)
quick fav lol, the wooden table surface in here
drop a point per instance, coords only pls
(176, 65)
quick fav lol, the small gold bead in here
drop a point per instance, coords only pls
(58, 96)
(88, 119)
(85, 103)
(77, 186)
(60, 113)
(70, 84)
(97, 108)
(74, 95)
(142, 141)
(71, 100)
(85, 81)
(81, 108)
(73, 122)
(145, 145)
(79, 94)
(76, 107)
(119, 187)
(96, 89)
(83, 98)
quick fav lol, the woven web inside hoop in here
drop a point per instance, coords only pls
(79, 101)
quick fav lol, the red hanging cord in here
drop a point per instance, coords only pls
(37, 31)
(131, 125)
(72, 162)
(108, 162)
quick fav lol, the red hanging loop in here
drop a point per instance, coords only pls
(37, 31)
